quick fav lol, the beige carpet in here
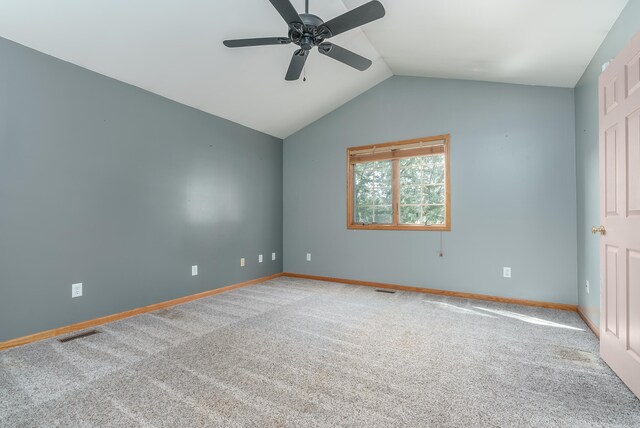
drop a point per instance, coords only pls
(293, 352)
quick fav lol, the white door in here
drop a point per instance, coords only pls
(620, 214)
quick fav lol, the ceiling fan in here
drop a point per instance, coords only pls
(307, 30)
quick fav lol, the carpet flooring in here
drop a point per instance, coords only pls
(292, 352)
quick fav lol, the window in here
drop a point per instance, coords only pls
(400, 186)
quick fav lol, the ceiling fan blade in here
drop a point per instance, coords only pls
(287, 11)
(344, 55)
(297, 64)
(262, 41)
(354, 18)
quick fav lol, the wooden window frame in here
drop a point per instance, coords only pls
(394, 151)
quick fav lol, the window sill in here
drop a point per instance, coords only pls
(433, 228)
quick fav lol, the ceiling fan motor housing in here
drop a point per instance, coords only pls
(309, 34)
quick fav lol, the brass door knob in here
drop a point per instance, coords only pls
(601, 230)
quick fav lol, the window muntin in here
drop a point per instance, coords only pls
(402, 185)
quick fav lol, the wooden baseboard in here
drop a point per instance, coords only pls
(126, 314)
(548, 305)
(589, 323)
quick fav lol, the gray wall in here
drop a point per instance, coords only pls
(123, 190)
(513, 190)
(586, 95)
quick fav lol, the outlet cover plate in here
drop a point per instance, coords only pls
(506, 272)
(194, 270)
(76, 290)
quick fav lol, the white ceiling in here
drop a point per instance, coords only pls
(174, 48)
(531, 42)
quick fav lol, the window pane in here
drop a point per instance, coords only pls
(364, 214)
(434, 194)
(414, 162)
(382, 196)
(372, 192)
(410, 176)
(433, 169)
(410, 214)
(382, 214)
(410, 195)
(434, 214)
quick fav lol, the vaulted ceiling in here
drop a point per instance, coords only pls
(174, 48)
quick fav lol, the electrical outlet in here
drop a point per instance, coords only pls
(242, 262)
(260, 258)
(506, 272)
(308, 257)
(194, 270)
(76, 290)
(587, 286)
(273, 256)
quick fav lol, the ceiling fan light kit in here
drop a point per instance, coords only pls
(308, 31)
